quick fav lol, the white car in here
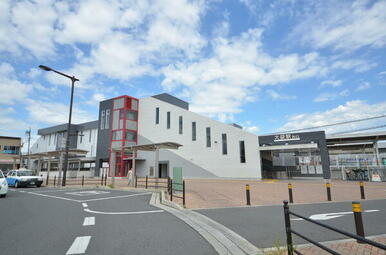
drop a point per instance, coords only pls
(23, 178)
(3, 185)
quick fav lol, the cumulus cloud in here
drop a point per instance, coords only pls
(363, 86)
(331, 96)
(276, 96)
(332, 83)
(11, 89)
(351, 110)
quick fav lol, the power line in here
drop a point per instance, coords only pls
(333, 124)
(357, 130)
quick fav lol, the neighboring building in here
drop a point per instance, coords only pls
(130, 132)
(10, 152)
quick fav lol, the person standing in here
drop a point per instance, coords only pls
(130, 176)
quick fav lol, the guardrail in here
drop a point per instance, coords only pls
(82, 181)
(152, 182)
(173, 190)
(360, 236)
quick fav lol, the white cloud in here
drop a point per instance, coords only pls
(9, 125)
(276, 96)
(382, 73)
(351, 110)
(344, 26)
(332, 83)
(96, 98)
(363, 86)
(11, 90)
(330, 96)
(237, 67)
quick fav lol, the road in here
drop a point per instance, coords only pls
(263, 226)
(91, 221)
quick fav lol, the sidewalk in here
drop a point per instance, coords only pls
(205, 193)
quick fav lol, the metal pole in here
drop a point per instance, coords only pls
(328, 187)
(291, 200)
(73, 79)
(135, 181)
(288, 228)
(247, 188)
(54, 180)
(362, 188)
(146, 181)
(357, 210)
(29, 141)
(105, 179)
(82, 180)
(171, 191)
(183, 192)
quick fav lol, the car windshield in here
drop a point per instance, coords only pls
(24, 173)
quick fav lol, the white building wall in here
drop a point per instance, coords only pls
(195, 157)
(88, 142)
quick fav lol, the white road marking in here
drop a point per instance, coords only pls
(44, 195)
(57, 190)
(79, 245)
(89, 221)
(87, 193)
(105, 198)
(123, 213)
(84, 205)
(329, 216)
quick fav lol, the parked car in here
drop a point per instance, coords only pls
(3, 185)
(23, 178)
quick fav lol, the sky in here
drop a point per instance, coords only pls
(269, 66)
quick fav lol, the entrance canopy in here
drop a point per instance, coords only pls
(151, 147)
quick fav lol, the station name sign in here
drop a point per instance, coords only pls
(286, 137)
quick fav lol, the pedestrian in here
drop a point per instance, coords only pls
(130, 176)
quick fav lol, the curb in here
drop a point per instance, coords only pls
(223, 240)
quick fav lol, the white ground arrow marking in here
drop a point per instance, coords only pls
(329, 216)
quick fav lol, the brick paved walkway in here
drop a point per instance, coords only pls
(346, 248)
(204, 193)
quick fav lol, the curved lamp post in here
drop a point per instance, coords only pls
(73, 80)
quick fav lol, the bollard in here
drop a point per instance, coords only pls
(247, 192)
(135, 181)
(102, 180)
(106, 179)
(82, 180)
(47, 180)
(146, 181)
(328, 187)
(54, 180)
(362, 188)
(183, 193)
(357, 210)
(171, 190)
(169, 180)
(288, 228)
(291, 199)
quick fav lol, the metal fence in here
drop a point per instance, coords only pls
(82, 181)
(152, 182)
(359, 236)
(358, 174)
(177, 190)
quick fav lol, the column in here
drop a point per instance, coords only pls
(156, 160)
(134, 170)
(49, 167)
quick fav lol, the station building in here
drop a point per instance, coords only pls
(9, 152)
(154, 135)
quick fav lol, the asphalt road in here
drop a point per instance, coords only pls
(50, 221)
(263, 226)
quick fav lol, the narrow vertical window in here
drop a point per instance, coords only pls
(193, 131)
(224, 144)
(157, 115)
(81, 136)
(89, 136)
(168, 120)
(208, 142)
(55, 138)
(107, 124)
(49, 140)
(180, 125)
(242, 152)
(103, 119)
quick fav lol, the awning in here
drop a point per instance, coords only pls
(56, 153)
(151, 147)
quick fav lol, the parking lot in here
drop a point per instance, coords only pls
(91, 221)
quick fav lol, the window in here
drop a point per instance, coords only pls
(89, 136)
(180, 125)
(193, 131)
(55, 138)
(224, 144)
(131, 115)
(103, 119)
(157, 115)
(208, 143)
(107, 124)
(242, 152)
(49, 140)
(130, 136)
(81, 136)
(168, 120)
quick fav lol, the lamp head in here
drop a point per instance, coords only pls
(45, 68)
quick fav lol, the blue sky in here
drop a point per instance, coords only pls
(267, 65)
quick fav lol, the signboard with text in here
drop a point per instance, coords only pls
(286, 137)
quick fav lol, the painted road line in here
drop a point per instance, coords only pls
(329, 216)
(57, 190)
(79, 246)
(44, 195)
(89, 221)
(84, 205)
(123, 213)
(106, 198)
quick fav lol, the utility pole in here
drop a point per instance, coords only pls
(28, 132)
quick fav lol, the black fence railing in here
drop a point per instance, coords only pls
(359, 236)
(177, 190)
(82, 181)
(151, 182)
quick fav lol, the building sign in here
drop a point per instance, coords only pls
(286, 137)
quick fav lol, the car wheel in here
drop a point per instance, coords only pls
(3, 195)
(16, 185)
(38, 185)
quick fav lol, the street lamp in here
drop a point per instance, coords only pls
(73, 80)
